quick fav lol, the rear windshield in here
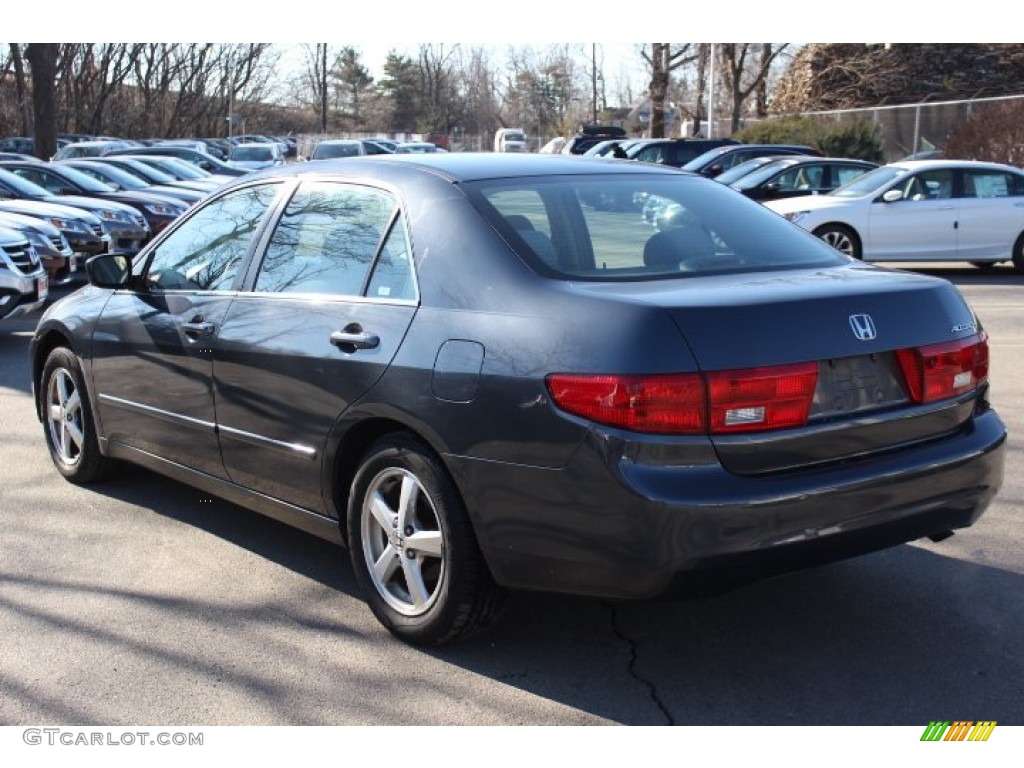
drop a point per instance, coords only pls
(638, 227)
(249, 152)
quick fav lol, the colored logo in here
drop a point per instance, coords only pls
(961, 730)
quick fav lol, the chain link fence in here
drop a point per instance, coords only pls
(910, 128)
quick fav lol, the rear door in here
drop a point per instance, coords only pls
(325, 314)
(991, 213)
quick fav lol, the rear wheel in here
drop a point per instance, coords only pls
(413, 549)
(842, 238)
(1018, 254)
(68, 422)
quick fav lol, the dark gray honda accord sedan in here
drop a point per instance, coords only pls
(476, 380)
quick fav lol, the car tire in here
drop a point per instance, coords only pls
(413, 549)
(1018, 254)
(842, 238)
(68, 421)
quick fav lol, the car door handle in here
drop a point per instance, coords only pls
(198, 327)
(948, 208)
(353, 337)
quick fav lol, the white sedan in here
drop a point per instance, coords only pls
(923, 210)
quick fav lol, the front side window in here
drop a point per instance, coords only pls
(205, 252)
(801, 178)
(928, 185)
(327, 240)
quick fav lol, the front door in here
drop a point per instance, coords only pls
(154, 346)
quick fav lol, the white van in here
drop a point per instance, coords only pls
(510, 140)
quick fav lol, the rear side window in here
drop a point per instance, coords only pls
(638, 227)
(986, 183)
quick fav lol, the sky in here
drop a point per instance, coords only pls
(409, 22)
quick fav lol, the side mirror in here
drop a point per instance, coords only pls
(109, 270)
(892, 195)
(714, 170)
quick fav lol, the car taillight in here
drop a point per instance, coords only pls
(722, 402)
(661, 404)
(757, 399)
(938, 371)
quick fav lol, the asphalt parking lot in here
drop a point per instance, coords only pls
(145, 601)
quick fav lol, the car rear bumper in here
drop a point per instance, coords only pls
(609, 525)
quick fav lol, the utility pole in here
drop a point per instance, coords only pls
(231, 93)
(711, 97)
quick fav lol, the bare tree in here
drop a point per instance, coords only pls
(42, 60)
(746, 67)
(18, 64)
(663, 60)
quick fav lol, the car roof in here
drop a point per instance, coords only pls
(464, 166)
(920, 165)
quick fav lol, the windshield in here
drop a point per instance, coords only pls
(22, 187)
(514, 137)
(869, 182)
(109, 173)
(145, 172)
(606, 227)
(746, 167)
(86, 182)
(180, 168)
(703, 159)
(761, 175)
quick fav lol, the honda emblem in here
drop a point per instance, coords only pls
(863, 327)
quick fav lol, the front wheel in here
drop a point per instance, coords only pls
(68, 422)
(841, 238)
(413, 549)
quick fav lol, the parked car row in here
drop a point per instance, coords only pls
(56, 214)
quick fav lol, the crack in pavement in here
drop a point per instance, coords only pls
(652, 689)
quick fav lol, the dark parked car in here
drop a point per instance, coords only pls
(119, 178)
(590, 135)
(91, 226)
(206, 162)
(150, 173)
(476, 382)
(157, 211)
(797, 176)
(673, 152)
(715, 161)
